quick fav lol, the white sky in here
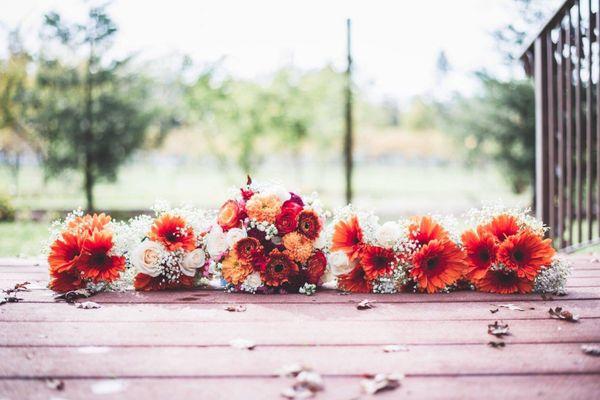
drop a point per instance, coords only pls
(395, 42)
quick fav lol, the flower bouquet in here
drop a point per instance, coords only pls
(267, 239)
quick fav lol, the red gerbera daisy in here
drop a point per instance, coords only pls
(315, 267)
(503, 226)
(247, 248)
(147, 283)
(347, 237)
(172, 232)
(279, 269)
(355, 281)
(66, 281)
(65, 252)
(503, 282)
(96, 262)
(425, 229)
(480, 249)
(377, 261)
(526, 253)
(437, 264)
(309, 224)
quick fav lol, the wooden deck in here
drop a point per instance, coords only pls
(177, 344)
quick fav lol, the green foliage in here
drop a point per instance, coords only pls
(499, 124)
(92, 113)
(7, 210)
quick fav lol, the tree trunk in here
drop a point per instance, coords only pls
(88, 178)
(348, 161)
(88, 185)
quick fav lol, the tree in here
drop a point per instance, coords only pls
(91, 112)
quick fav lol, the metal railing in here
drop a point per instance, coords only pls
(564, 61)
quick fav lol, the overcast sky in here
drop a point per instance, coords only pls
(396, 42)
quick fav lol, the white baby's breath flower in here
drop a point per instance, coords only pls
(193, 261)
(146, 257)
(252, 282)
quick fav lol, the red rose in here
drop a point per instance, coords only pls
(315, 267)
(229, 215)
(287, 220)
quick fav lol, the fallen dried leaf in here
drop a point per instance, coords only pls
(73, 295)
(496, 345)
(87, 305)
(565, 315)
(292, 370)
(393, 348)
(381, 382)
(591, 350)
(365, 304)
(497, 329)
(307, 382)
(297, 392)
(236, 308)
(19, 287)
(244, 344)
(10, 299)
(494, 310)
(55, 384)
(310, 380)
(511, 307)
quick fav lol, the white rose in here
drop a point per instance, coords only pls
(253, 281)
(388, 234)
(320, 242)
(192, 261)
(278, 191)
(216, 242)
(146, 257)
(339, 263)
(234, 235)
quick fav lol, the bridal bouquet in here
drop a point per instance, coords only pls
(267, 239)
(419, 254)
(507, 253)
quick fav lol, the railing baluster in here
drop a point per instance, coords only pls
(588, 127)
(569, 123)
(561, 138)
(578, 128)
(551, 133)
(598, 118)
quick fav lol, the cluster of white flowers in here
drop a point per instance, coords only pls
(487, 213)
(270, 230)
(553, 279)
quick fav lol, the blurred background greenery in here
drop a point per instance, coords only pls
(81, 127)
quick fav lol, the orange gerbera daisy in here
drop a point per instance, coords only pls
(526, 253)
(425, 229)
(355, 281)
(480, 249)
(309, 224)
(96, 262)
(147, 283)
(437, 264)
(503, 282)
(89, 223)
(235, 270)
(65, 252)
(377, 261)
(65, 281)
(245, 249)
(347, 237)
(279, 269)
(172, 232)
(297, 246)
(503, 226)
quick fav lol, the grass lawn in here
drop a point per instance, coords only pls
(22, 238)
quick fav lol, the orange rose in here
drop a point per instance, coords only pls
(229, 215)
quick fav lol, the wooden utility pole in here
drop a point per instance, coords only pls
(348, 162)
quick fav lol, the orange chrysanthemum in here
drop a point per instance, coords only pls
(264, 207)
(480, 249)
(347, 237)
(65, 252)
(234, 269)
(66, 281)
(147, 283)
(172, 232)
(526, 253)
(503, 282)
(96, 262)
(279, 269)
(425, 229)
(377, 261)
(89, 223)
(503, 226)
(355, 281)
(298, 247)
(315, 267)
(437, 264)
(247, 248)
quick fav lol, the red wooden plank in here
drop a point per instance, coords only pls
(299, 332)
(566, 387)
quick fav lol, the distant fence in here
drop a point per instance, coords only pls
(564, 61)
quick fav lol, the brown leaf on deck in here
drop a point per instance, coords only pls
(511, 307)
(494, 310)
(55, 384)
(87, 305)
(566, 315)
(19, 287)
(307, 382)
(591, 350)
(497, 329)
(236, 308)
(381, 382)
(365, 304)
(73, 295)
(496, 345)
(10, 299)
